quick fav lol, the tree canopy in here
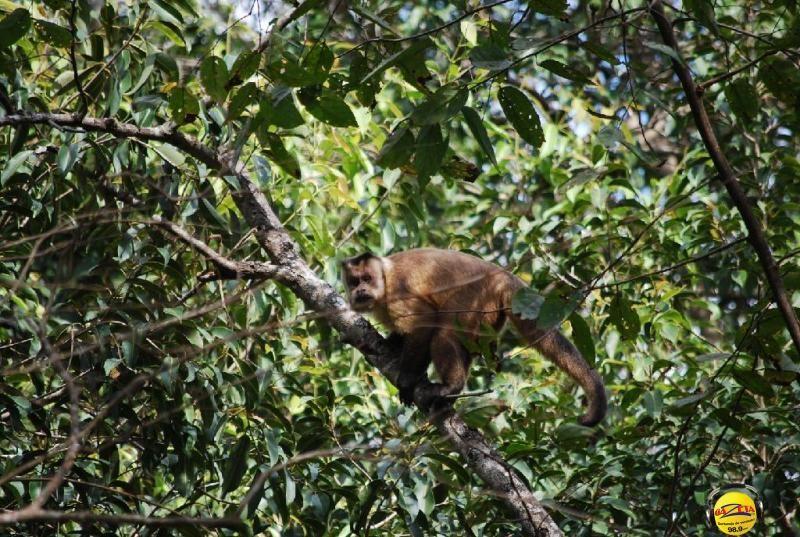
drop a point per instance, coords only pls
(179, 181)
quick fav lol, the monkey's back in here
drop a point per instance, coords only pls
(447, 288)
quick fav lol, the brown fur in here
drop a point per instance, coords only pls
(437, 299)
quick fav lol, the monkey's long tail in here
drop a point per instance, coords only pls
(563, 353)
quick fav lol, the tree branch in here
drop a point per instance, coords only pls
(724, 76)
(677, 265)
(756, 234)
(228, 268)
(320, 296)
(428, 32)
(30, 514)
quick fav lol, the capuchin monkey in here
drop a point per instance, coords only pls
(435, 300)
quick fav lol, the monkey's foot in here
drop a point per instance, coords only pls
(407, 395)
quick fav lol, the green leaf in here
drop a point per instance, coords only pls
(214, 76)
(317, 63)
(397, 149)
(331, 109)
(653, 403)
(742, 98)
(567, 432)
(753, 382)
(554, 311)
(520, 113)
(417, 47)
(244, 96)
(359, 67)
(14, 26)
(622, 315)
(581, 177)
(212, 215)
(554, 8)
(600, 51)
(167, 11)
(500, 224)
(475, 125)
(67, 155)
(569, 72)
(236, 465)
(279, 110)
(781, 78)
(703, 11)
(690, 399)
(278, 153)
(582, 337)
(13, 165)
(244, 67)
(183, 106)
(170, 31)
(664, 49)
(56, 35)
(527, 303)
(431, 148)
(439, 107)
(489, 56)
(167, 64)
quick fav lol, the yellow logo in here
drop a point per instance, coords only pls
(735, 511)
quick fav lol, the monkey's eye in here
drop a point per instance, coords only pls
(352, 282)
(367, 278)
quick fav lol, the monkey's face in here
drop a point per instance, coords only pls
(363, 277)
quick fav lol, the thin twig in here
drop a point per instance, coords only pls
(724, 76)
(677, 265)
(425, 33)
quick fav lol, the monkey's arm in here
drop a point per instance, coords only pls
(395, 341)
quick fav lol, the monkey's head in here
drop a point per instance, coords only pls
(363, 277)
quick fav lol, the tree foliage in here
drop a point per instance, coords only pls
(552, 138)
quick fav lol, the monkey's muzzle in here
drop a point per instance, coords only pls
(362, 301)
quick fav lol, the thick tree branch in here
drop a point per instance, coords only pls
(320, 296)
(756, 235)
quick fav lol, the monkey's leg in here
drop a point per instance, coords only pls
(451, 360)
(414, 361)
